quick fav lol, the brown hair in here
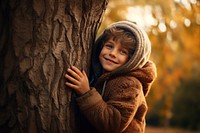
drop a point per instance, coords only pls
(126, 38)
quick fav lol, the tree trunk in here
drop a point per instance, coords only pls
(39, 39)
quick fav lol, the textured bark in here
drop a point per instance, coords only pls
(39, 39)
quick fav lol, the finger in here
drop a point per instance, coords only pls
(84, 73)
(71, 85)
(71, 79)
(73, 73)
(77, 70)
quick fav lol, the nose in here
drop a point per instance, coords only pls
(113, 53)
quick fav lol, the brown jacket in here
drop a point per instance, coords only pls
(123, 107)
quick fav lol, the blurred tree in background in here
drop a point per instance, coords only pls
(174, 30)
(186, 104)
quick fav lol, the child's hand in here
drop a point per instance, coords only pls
(77, 80)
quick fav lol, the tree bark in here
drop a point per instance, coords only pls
(39, 39)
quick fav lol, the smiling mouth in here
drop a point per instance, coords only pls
(110, 60)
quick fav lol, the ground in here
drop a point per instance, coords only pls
(167, 130)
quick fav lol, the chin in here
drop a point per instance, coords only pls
(109, 69)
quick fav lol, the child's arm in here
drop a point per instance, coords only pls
(77, 80)
(116, 113)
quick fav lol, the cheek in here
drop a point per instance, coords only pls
(124, 60)
(103, 51)
(100, 56)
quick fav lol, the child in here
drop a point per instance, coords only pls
(121, 76)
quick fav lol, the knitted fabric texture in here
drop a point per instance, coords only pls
(139, 57)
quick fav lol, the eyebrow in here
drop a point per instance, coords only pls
(110, 41)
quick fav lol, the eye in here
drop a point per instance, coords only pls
(124, 52)
(108, 45)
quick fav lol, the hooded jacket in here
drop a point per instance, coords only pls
(117, 101)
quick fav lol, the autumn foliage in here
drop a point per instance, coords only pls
(174, 30)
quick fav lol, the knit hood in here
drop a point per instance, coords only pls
(139, 58)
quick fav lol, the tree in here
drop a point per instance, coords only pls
(186, 114)
(38, 41)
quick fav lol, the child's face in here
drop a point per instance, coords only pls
(113, 55)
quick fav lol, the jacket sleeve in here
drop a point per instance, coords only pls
(116, 113)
